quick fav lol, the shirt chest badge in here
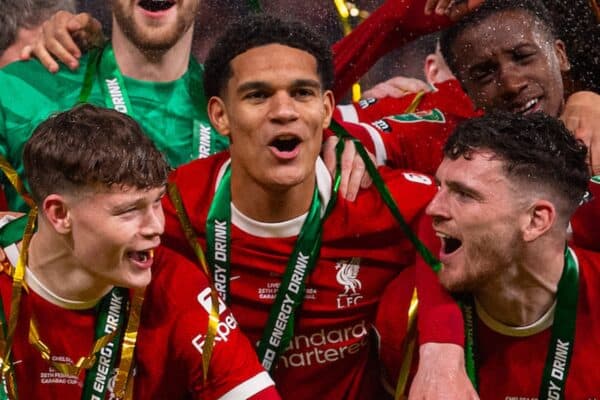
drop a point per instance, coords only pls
(347, 276)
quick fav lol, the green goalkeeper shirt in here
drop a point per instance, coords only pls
(173, 114)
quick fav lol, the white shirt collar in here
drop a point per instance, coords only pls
(288, 228)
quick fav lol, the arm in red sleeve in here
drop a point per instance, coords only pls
(393, 24)
(440, 319)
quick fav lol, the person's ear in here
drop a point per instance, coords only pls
(57, 212)
(561, 53)
(430, 68)
(217, 112)
(328, 106)
(539, 218)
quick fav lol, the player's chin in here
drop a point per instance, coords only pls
(137, 279)
(452, 279)
(289, 176)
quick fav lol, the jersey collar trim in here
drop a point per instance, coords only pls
(283, 229)
(538, 326)
(34, 284)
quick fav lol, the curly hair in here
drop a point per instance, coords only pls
(535, 8)
(536, 149)
(260, 30)
(89, 146)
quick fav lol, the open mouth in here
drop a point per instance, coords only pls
(285, 144)
(449, 244)
(529, 107)
(156, 5)
(142, 256)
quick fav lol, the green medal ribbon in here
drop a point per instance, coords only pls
(387, 197)
(405, 227)
(115, 305)
(560, 348)
(467, 306)
(102, 65)
(280, 325)
(218, 236)
(112, 311)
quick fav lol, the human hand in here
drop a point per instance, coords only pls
(455, 9)
(441, 374)
(397, 86)
(582, 117)
(61, 37)
(354, 174)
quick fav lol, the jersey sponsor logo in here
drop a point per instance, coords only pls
(434, 116)
(347, 276)
(381, 124)
(417, 178)
(364, 103)
(116, 95)
(204, 146)
(225, 326)
(325, 346)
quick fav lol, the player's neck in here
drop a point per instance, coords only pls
(267, 204)
(51, 261)
(156, 66)
(523, 293)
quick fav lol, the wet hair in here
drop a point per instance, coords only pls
(91, 147)
(535, 8)
(261, 30)
(537, 151)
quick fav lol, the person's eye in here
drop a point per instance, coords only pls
(304, 92)
(524, 57)
(463, 195)
(256, 95)
(127, 212)
(483, 77)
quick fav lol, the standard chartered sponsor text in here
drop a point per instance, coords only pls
(325, 346)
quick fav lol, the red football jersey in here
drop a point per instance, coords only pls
(362, 250)
(393, 24)
(168, 361)
(409, 140)
(511, 360)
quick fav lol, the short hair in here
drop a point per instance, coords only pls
(535, 8)
(90, 147)
(261, 30)
(537, 150)
(26, 14)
